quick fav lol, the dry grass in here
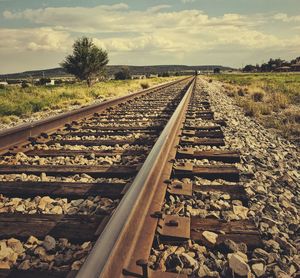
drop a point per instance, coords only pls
(293, 115)
(271, 98)
(22, 102)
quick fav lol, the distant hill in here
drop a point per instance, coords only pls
(111, 69)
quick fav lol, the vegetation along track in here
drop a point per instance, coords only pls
(61, 179)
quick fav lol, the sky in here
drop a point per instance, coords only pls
(38, 34)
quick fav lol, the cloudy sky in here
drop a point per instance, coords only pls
(37, 34)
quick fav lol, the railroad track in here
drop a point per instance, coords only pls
(186, 203)
(61, 179)
(162, 197)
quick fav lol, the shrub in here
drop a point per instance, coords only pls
(6, 108)
(8, 119)
(37, 104)
(24, 85)
(145, 85)
(5, 120)
(257, 96)
(280, 100)
(241, 92)
(58, 82)
(265, 109)
(123, 74)
(251, 108)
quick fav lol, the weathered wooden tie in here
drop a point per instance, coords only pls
(61, 170)
(69, 190)
(86, 153)
(211, 172)
(202, 141)
(172, 228)
(216, 155)
(77, 228)
(99, 142)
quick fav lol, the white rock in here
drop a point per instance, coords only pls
(76, 265)
(238, 265)
(32, 241)
(241, 211)
(259, 269)
(189, 260)
(210, 237)
(43, 177)
(57, 210)
(16, 245)
(86, 245)
(44, 202)
(49, 243)
(5, 251)
(20, 208)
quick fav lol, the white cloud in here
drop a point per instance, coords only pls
(144, 42)
(34, 39)
(152, 29)
(117, 18)
(156, 9)
(285, 18)
(155, 32)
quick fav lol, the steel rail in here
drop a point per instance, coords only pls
(117, 241)
(17, 135)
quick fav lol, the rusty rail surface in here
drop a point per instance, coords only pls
(17, 135)
(127, 238)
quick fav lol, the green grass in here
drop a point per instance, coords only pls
(272, 98)
(286, 83)
(15, 101)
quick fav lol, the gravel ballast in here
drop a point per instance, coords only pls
(272, 163)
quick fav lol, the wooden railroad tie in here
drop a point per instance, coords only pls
(95, 171)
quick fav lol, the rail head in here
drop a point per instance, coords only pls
(16, 135)
(122, 227)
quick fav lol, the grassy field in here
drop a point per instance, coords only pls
(16, 102)
(273, 98)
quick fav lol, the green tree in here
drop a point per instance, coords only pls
(87, 61)
(265, 67)
(217, 70)
(165, 74)
(295, 61)
(249, 68)
(43, 81)
(123, 74)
